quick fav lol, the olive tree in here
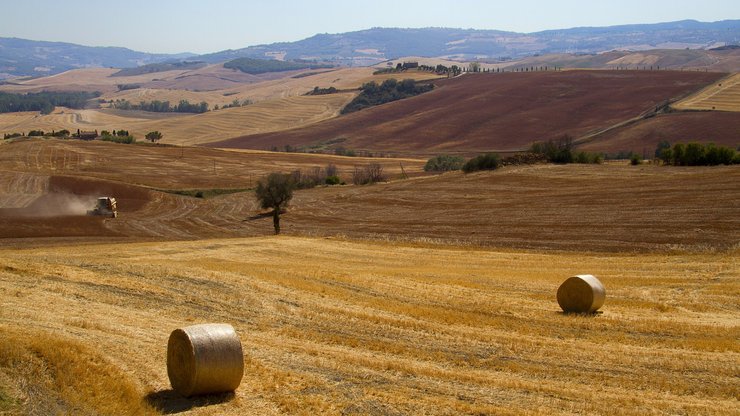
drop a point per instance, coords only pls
(275, 191)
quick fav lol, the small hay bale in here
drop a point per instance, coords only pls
(583, 293)
(204, 359)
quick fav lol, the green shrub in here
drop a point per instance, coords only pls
(488, 161)
(118, 139)
(559, 151)
(635, 159)
(333, 180)
(444, 163)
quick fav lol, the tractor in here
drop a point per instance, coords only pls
(106, 207)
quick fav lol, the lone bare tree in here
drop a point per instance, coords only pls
(275, 191)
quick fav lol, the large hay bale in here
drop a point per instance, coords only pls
(583, 293)
(203, 359)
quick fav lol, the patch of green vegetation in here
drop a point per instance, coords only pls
(696, 154)
(261, 66)
(203, 193)
(444, 163)
(488, 161)
(390, 90)
(45, 102)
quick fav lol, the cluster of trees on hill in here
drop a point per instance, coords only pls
(440, 69)
(696, 154)
(157, 106)
(561, 151)
(261, 66)
(120, 136)
(390, 90)
(235, 103)
(45, 102)
(322, 91)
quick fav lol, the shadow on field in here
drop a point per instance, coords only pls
(169, 402)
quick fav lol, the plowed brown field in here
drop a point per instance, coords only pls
(716, 127)
(605, 208)
(501, 112)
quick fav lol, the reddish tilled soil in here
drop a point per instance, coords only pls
(502, 112)
(721, 128)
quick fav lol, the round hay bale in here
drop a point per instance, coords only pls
(203, 359)
(583, 293)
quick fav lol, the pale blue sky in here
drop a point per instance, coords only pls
(199, 26)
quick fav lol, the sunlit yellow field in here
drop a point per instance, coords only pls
(188, 129)
(722, 96)
(339, 327)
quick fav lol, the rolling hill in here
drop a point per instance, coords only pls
(22, 57)
(278, 101)
(494, 112)
(375, 45)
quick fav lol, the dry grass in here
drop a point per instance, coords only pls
(723, 95)
(263, 117)
(336, 327)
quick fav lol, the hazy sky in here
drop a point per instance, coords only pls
(209, 26)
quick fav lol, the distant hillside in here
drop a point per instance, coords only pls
(21, 57)
(375, 45)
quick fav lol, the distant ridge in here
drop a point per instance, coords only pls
(20, 57)
(372, 46)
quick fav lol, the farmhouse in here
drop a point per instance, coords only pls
(87, 135)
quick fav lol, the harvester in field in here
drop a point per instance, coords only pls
(105, 207)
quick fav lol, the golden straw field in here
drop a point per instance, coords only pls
(190, 129)
(723, 95)
(278, 104)
(331, 326)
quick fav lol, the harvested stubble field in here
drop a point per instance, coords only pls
(723, 95)
(189, 129)
(337, 327)
(432, 295)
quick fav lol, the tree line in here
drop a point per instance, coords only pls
(261, 66)
(373, 94)
(45, 102)
(696, 154)
(157, 106)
